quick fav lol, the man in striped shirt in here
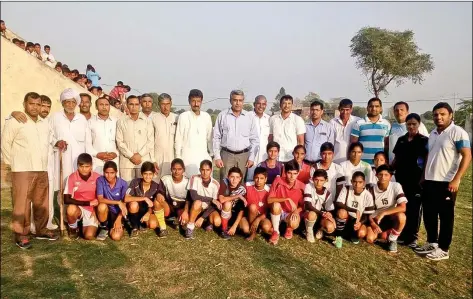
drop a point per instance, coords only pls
(372, 131)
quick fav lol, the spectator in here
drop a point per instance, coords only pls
(16, 42)
(58, 67)
(22, 45)
(37, 50)
(30, 48)
(92, 75)
(66, 72)
(119, 92)
(94, 90)
(3, 30)
(101, 93)
(48, 57)
(119, 83)
(74, 74)
(88, 84)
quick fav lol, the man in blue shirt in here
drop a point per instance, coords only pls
(318, 131)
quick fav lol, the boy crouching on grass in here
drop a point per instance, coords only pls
(80, 198)
(318, 206)
(257, 193)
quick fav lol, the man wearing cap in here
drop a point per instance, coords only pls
(342, 125)
(235, 137)
(70, 131)
(165, 124)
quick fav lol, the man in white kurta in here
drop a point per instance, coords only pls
(135, 140)
(262, 125)
(193, 142)
(164, 123)
(103, 127)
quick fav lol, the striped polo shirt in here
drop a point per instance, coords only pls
(371, 135)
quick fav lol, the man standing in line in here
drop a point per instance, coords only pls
(448, 159)
(287, 129)
(372, 131)
(103, 128)
(84, 106)
(262, 126)
(342, 125)
(134, 140)
(164, 123)
(235, 137)
(193, 142)
(398, 128)
(25, 148)
(146, 102)
(318, 131)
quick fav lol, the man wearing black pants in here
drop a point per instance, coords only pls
(448, 159)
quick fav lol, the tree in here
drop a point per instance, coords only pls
(385, 56)
(210, 111)
(276, 107)
(308, 99)
(359, 111)
(463, 112)
(155, 96)
(248, 107)
(428, 115)
(180, 111)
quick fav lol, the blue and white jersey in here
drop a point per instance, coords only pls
(371, 135)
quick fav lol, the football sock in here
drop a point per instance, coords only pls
(160, 218)
(393, 235)
(104, 224)
(275, 220)
(309, 225)
(134, 220)
(340, 226)
(190, 225)
(225, 218)
(73, 225)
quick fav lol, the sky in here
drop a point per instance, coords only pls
(256, 47)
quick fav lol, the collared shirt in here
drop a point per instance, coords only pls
(342, 137)
(82, 190)
(280, 189)
(398, 130)
(236, 133)
(135, 136)
(164, 137)
(51, 62)
(257, 197)
(321, 202)
(410, 159)
(103, 133)
(315, 136)
(371, 135)
(151, 114)
(262, 125)
(391, 197)
(210, 191)
(348, 169)
(444, 153)
(334, 173)
(285, 132)
(116, 193)
(136, 189)
(363, 202)
(25, 146)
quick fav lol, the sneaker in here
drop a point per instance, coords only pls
(24, 243)
(134, 233)
(288, 234)
(274, 238)
(189, 234)
(48, 235)
(413, 245)
(163, 233)
(392, 246)
(310, 236)
(52, 227)
(338, 242)
(209, 228)
(319, 234)
(74, 233)
(437, 255)
(355, 240)
(225, 235)
(103, 234)
(427, 248)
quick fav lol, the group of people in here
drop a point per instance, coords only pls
(277, 174)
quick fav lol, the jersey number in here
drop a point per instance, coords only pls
(384, 201)
(354, 204)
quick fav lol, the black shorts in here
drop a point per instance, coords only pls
(111, 218)
(387, 223)
(176, 205)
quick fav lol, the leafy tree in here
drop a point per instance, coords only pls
(180, 111)
(309, 98)
(359, 111)
(275, 107)
(385, 56)
(463, 112)
(428, 115)
(248, 107)
(217, 111)
(210, 111)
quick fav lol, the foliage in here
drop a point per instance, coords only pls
(180, 111)
(210, 111)
(359, 111)
(309, 98)
(385, 56)
(428, 115)
(155, 96)
(275, 107)
(463, 112)
(248, 107)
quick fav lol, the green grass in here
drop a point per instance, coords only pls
(209, 267)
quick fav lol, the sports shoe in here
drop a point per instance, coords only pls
(310, 236)
(52, 227)
(319, 234)
(274, 238)
(392, 246)
(437, 255)
(427, 248)
(338, 242)
(209, 228)
(355, 240)
(74, 233)
(103, 234)
(400, 241)
(134, 233)
(288, 233)
(189, 234)
(24, 243)
(163, 233)
(48, 235)
(413, 245)
(225, 235)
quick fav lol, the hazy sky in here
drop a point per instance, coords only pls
(258, 47)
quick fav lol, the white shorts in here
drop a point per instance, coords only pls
(88, 218)
(205, 205)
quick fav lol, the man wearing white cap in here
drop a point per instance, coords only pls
(70, 131)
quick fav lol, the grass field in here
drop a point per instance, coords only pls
(210, 267)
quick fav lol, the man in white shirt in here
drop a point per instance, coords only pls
(287, 129)
(48, 57)
(85, 104)
(25, 148)
(146, 102)
(165, 124)
(342, 125)
(193, 142)
(448, 160)
(262, 125)
(135, 140)
(103, 128)
(398, 128)
(318, 131)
